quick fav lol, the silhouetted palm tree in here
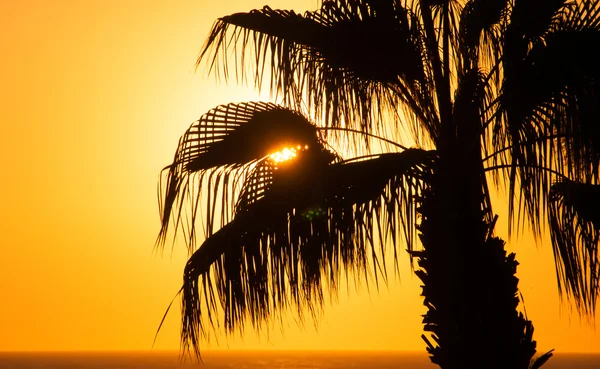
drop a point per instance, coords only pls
(500, 90)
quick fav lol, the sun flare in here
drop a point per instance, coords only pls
(286, 154)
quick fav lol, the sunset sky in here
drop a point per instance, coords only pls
(94, 96)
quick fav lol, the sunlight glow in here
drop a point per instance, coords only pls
(284, 155)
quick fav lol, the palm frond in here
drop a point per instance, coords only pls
(552, 92)
(354, 61)
(479, 19)
(531, 19)
(575, 233)
(478, 16)
(575, 122)
(578, 111)
(583, 14)
(256, 185)
(302, 228)
(219, 149)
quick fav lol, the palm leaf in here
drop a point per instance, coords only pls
(549, 107)
(479, 16)
(530, 19)
(307, 223)
(479, 33)
(355, 60)
(217, 149)
(575, 232)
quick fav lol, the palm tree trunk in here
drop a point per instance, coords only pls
(469, 283)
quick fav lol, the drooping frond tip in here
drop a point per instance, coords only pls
(575, 232)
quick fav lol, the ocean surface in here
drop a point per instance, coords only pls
(252, 360)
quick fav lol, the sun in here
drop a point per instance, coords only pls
(286, 154)
(283, 155)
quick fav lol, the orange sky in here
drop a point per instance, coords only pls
(94, 96)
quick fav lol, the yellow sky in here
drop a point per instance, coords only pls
(94, 96)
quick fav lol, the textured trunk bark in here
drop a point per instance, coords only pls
(469, 282)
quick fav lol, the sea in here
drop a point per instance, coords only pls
(252, 360)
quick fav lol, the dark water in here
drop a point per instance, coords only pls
(253, 360)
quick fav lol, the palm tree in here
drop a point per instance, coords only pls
(496, 91)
